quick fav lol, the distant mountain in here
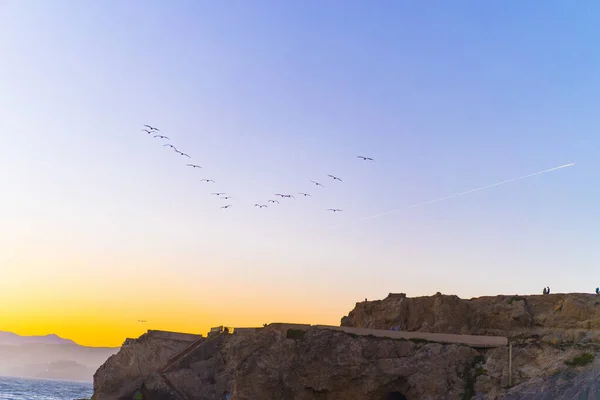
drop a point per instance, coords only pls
(64, 370)
(50, 356)
(12, 339)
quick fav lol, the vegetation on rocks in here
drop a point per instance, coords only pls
(296, 334)
(580, 360)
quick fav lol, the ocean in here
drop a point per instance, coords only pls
(41, 389)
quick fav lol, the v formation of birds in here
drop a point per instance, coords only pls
(154, 132)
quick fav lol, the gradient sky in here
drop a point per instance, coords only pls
(101, 226)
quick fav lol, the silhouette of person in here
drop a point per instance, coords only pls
(597, 290)
(548, 289)
(545, 291)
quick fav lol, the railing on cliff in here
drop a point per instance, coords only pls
(178, 356)
(181, 356)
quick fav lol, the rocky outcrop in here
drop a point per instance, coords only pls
(304, 363)
(317, 364)
(126, 371)
(555, 318)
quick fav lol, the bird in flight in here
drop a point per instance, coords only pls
(365, 158)
(260, 205)
(183, 154)
(335, 178)
(170, 145)
(227, 206)
(218, 193)
(317, 183)
(146, 130)
(161, 137)
(305, 194)
(207, 180)
(226, 197)
(273, 201)
(334, 209)
(151, 128)
(193, 166)
(280, 195)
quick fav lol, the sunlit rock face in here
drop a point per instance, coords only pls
(554, 318)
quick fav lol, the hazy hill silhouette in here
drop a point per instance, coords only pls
(49, 356)
(12, 339)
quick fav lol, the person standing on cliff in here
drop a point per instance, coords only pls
(548, 289)
(598, 290)
(545, 291)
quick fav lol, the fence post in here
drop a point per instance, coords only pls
(509, 364)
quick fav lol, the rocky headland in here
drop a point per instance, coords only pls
(395, 348)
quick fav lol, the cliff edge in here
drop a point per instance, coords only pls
(554, 318)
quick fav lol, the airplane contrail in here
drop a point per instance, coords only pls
(454, 195)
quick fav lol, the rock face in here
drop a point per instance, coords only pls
(125, 371)
(316, 364)
(555, 318)
(292, 364)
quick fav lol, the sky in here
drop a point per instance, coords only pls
(101, 225)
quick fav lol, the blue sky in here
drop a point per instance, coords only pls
(268, 95)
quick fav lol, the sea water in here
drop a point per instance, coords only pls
(42, 389)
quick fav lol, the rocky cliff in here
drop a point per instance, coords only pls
(554, 318)
(138, 358)
(554, 356)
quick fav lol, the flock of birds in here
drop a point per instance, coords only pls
(154, 132)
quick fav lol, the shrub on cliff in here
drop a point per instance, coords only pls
(582, 359)
(296, 334)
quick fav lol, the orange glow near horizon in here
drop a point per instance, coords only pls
(94, 308)
(111, 331)
(101, 315)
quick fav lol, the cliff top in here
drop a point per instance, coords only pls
(502, 315)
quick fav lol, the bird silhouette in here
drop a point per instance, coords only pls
(182, 153)
(260, 205)
(273, 201)
(146, 130)
(305, 194)
(207, 180)
(218, 193)
(171, 146)
(227, 206)
(226, 197)
(365, 158)
(161, 137)
(335, 178)
(151, 128)
(280, 195)
(334, 209)
(193, 166)
(317, 183)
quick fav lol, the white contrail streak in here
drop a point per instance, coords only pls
(454, 195)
